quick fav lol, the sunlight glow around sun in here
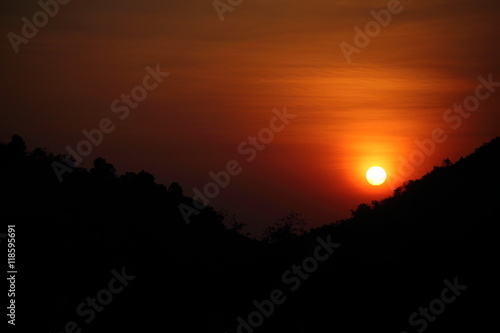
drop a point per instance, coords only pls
(376, 175)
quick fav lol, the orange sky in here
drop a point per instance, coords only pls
(226, 78)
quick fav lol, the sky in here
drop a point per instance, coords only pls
(228, 78)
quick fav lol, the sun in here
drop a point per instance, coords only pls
(376, 175)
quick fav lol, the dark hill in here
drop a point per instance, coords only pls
(393, 257)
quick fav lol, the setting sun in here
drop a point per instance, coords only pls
(376, 175)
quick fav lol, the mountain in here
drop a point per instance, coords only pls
(433, 244)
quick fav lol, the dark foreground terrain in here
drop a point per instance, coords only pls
(101, 252)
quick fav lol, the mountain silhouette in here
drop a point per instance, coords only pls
(372, 271)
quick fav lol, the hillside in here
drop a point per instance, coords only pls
(389, 259)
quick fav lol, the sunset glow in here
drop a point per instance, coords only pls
(226, 77)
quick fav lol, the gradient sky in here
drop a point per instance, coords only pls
(226, 78)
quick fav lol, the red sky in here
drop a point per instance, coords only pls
(227, 77)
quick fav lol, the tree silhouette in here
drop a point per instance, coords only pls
(17, 145)
(286, 228)
(230, 221)
(176, 189)
(446, 162)
(103, 169)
